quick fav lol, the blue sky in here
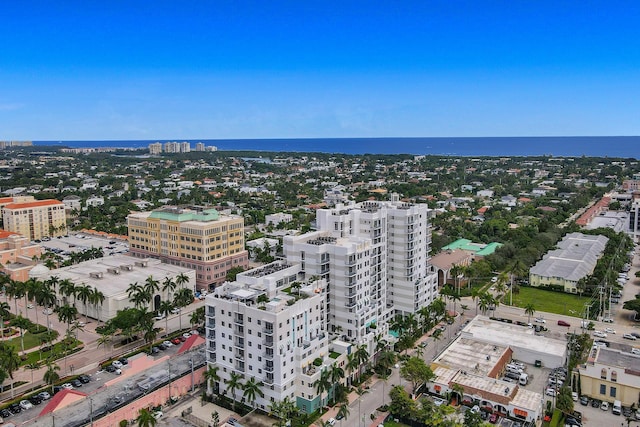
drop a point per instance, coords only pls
(81, 70)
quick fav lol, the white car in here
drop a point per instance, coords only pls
(167, 343)
(160, 316)
(331, 421)
(599, 334)
(157, 415)
(117, 364)
(574, 396)
(175, 310)
(610, 330)
(550, 392)
(25, 404)
(67, 386)
(540, 320)
(629, 337)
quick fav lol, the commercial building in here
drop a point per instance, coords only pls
(17, 255)
(4, 201)
(193, 237)
(575, 258)
(270, 326)
(478, 358)
(112, 275)
(277, 218)
(634, 221)
(611, 374)
(35, 219)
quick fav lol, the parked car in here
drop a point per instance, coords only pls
(5, 413)
(574, 396)
(563, 323)
(44, 395)
(604, 406)
(168, 343)
(25, 404)
(124, 361)
(15, 408)
(117, 364)
(584, 400)
(176, 341)
(599, 334)
(629, 337)
(68, 386)
(35, 399)
(540, 320)
(610, 330)
(110, 368)
(76, 383)
(595, 403)
(550, 392)
(162, 347)
(84, 379)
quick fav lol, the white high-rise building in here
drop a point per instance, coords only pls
(185, 147)
(366, 263)
(401, 269)
(270, 326)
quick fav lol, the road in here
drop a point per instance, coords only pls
(88, 359)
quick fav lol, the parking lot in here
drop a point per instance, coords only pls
(78, 242)
(595, 417)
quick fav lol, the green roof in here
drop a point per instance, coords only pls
(181, 215)
(478, 248)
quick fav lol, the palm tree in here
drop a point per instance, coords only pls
(352, 365)
(67, 314)
(9, 361)
(4, 314)
(96, 298)
(83, 293)
(181, 299)
(197, 317)
(34, 287)
(343, 412)
(145, 418)
(336, 374)
(67, 288)
(252, 388)
(137, 295)
(323, 383)
(151, 286)
(104, 340)
(529, 310)
(165, 308)
(362, 356)
(22, 324)
(233, 383)
(211, 377)
(15, 290)
(181, 280)
(32, 367)
(169, 286)
(50, 375)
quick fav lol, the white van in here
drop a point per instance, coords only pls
(617, 407)
(524, 378)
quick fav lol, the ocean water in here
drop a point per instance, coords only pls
(597, 146)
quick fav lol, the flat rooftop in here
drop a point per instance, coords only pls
(472, 356)
(483, 329)
(620, 359)
(111, 284)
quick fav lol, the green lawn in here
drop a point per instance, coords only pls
(549, 301)
(30, 340)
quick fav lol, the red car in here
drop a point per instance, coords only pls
(175, 341)
(563, 323)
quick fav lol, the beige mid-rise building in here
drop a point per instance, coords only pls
(194, 237)
(35, 219)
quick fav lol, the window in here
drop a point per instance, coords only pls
(603, 374)
(603, 389)
(614, 376)
(612, 392)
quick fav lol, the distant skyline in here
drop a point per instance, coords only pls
(289, 69)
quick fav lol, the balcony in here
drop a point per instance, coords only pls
(268, 355)
(268, 367)
(238, 320)
(239, 344)
(350, 304)
(211, 324)
(268, 343)
(350, 294)
(268, 379)
(239, 356)
(268, 331)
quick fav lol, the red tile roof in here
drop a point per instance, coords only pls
(4, 234)
(36, 204)
(57, 399)
(191, 342)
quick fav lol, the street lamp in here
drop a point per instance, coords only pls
(91, 410)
